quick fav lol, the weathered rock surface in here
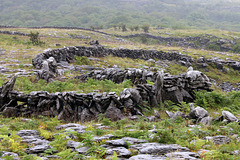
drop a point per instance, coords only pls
(147, 157)
(206, 120)
(229, 116)
(175, 115)
(197, 113)
(118, 143)
(183, 155)
(121, 151)
(219, 140)
(158, 149)
(48, 70)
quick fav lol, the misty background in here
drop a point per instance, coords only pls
(176, 14)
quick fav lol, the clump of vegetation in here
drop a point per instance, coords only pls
(26, 85)
(229, 101)
(82, 60)
(146, 28)
(35, 39)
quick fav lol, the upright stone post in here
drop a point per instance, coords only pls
(4, 90)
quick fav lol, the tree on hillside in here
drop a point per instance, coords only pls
(34, 38)
(132, 28)
(145, 28)
(114, 26)
(124, 29)
(136, 28)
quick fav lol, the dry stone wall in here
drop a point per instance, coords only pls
(67, 54)
(73, 106)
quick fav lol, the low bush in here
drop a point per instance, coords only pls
(215, 100)
(82, 60)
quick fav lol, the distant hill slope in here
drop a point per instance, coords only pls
(218, 14)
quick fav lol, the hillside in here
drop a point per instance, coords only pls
(213, 14)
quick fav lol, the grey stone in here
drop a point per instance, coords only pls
(53, 157)
(22, 133)
(197, 113)
(13, 155)
(183, 155)
(147, 157)
(117, 143)
(206, 120)
(105, 137)
(178, 114)
(121, 151)
(236, 152)
(156, 114)
(159, 149)
(229, 116)
(69, 125)
(82, 150)
(134, 140)
(37, 149)
(73, 144)
(151, 118)
(194, 75)
(86, 115)
(221, 140)
(175, 115)
(48, 69)
(10, 112)
(80, 129)
(113, 112)
(170, 114)
(31, 139)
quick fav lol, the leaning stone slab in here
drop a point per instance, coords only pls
(229, 116)
(197, 113)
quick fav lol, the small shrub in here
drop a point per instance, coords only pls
(67, 154)
(35, 39)
(31, 157)
(59, 142)
(214, 47)
(164, 136)
(236, 48)
(82, 60)
(146, 28)
(210, 99)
